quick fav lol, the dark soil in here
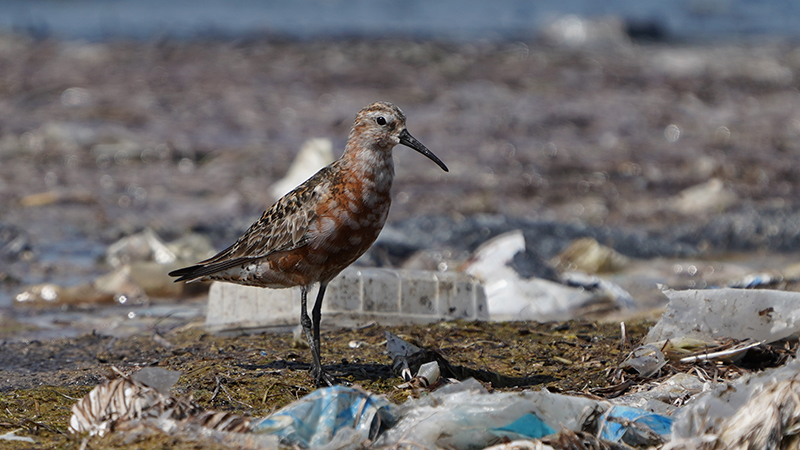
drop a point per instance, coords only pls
(257, 374)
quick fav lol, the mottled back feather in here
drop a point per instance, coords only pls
(283, 227)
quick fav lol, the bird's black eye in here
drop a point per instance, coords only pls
(380, 120)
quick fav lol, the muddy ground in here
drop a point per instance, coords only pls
(100, 140)
(255, 375)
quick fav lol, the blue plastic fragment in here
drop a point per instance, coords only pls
(529, 426)
(317, 418)
(613, 423)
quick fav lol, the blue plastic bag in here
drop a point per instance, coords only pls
(529, 426)
(316, 419)
(634, 426)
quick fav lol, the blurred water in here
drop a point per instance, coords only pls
(442, 19)
(65, 261)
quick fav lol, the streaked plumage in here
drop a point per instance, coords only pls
(323, 225)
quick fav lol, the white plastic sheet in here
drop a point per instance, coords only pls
(761, 315)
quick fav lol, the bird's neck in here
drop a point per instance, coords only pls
(373, 167)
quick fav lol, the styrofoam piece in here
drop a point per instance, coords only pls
(762, 315)
(357, 296)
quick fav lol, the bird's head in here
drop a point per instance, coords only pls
(381, 126)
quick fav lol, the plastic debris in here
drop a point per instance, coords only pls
(157, 378)
(732, 353)
(141, 280)
(405, 354)
(401, 352)
(679, 347)
(712, 195)
(428, 376)
(130, 283)
(330, 418)
(357, 344)
(460, 416)
(11, 436)
(667, 396)
(357, 296)
(399, 347)
(125, 399)
(761, 315)
(588, 255)
(647, 360)
(429, 372)
(612, 294)
(466, 416)
(634, 426)
(756, 280)
(141, 263)
(144, 246)
(528, 425)
(514, 296)
(192, 247)
(314, 155)
(760, 411)
(521, 445)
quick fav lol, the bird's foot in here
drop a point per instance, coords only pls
(324, 379)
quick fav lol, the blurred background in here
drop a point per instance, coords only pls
(665, 129)
(438, 20)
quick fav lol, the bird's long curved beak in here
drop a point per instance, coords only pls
(410, 141)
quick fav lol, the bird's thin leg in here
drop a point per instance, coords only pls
(316, 312)
(305, 322)
(320, 376)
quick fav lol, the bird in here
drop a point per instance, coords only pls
(322, 226)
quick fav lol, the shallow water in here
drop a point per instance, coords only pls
(457, 20)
